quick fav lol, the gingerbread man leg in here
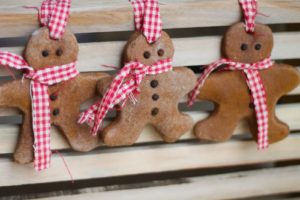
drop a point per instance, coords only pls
(224, 120)
(124, 131)
(24, 150)
(174, 127)
(21, 100)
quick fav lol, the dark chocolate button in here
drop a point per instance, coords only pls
(251, 105)
(45, 53)
(155, 97)
(154, 83)
(244, 47)
(258, 47)
(53, 97)
(59, 52)
(56, 112)
(155, 111)
(147, 55)
(161, 52)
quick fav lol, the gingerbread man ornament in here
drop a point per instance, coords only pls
(51, 91)
(150, 91)
(248, 87)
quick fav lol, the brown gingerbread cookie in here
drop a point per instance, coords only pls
(230, 93)
(65, 97)
(157, 103)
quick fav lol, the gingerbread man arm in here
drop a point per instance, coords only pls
(103, 84)
(88, 84)
(185, 79)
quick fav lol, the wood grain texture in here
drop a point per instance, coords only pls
(116, 15)
(149, 159)
(188, 51)
(9, 133)
(226, 186)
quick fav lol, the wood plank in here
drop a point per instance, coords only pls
(189, 51)
(116, 15)
(287, 113)
(146, 159)
(237, 185)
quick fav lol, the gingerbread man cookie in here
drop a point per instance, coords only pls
(58, 91)
(157, 103)
(248, 86)
(233, 100)
(147, 89)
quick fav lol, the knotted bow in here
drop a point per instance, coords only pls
(125, 85)
(254, 83)
(249, 8)
(54, 14)
(147, 18)
(41, 118)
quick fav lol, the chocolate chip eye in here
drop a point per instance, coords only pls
(161, 52)
(147, 54)
(258, 47)
(59, 52)
(45, 53)
(244, 47)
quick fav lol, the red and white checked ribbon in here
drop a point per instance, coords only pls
(125, 85)
(54, 14)
(254, 83)
(249, 8)
(41, 117)
(147, 18)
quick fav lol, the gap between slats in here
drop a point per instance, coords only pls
(116, 15)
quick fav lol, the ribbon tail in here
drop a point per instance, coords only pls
(258, 91)
(41, 125)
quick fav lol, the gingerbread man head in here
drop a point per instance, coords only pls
(247, 47)
(138, 49)
(43, 51)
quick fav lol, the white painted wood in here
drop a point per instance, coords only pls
(115, 162)
(189, 51)
(9, 133)
(246, 184)
(116, 15)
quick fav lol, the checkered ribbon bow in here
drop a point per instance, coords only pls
(249, 8)
(40, 80)
(255, 85)
(54, 14)
(125, 85)
(147, 18)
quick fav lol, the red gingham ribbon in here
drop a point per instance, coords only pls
(54, 14)
(249, 8)
(254, 83)
(41, 118)
(147, 18)
(125, 85)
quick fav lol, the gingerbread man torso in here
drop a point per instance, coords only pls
(234, 103)
(157, 104)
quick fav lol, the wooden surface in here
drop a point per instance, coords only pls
(238, 185)
(116, 15)
(150, 155)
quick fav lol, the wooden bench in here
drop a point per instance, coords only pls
(151, 169)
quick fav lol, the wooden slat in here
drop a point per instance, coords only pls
(116, 15)
(9, 133)
(228, 186)
(154, 159)
(189, 51)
